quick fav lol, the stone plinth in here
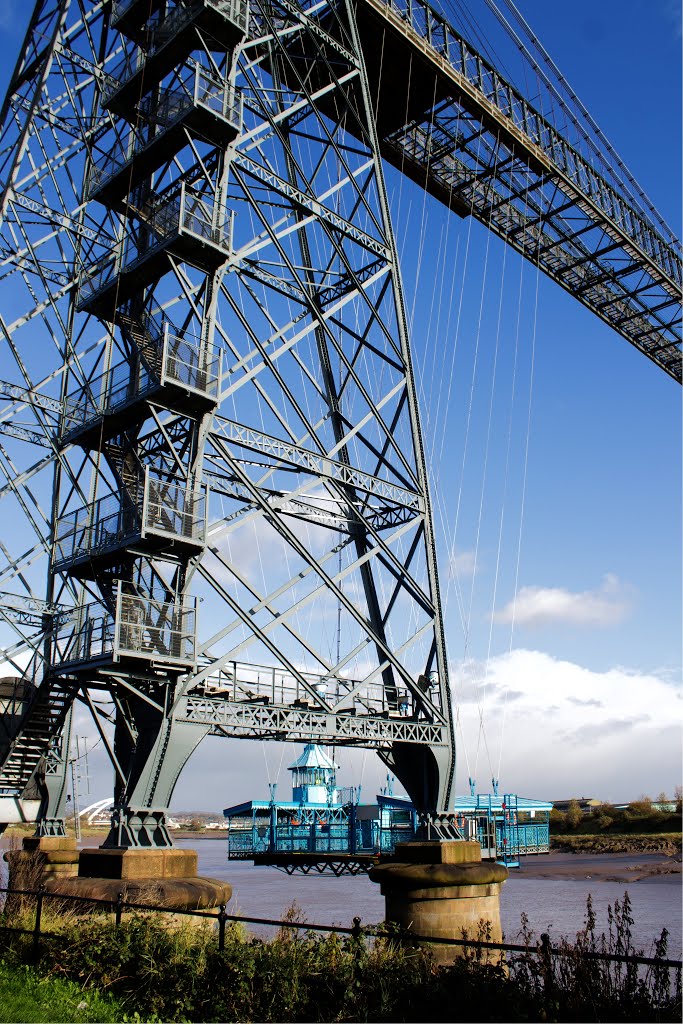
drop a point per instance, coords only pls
(48, 844)
(442, 890)
(40, 858)
(159, 877)
(129, 863)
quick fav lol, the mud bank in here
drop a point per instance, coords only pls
(635, 866)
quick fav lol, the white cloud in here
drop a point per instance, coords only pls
(462, 563)
(607, 605)
(559, 729)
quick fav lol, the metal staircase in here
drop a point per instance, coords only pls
(41, 722)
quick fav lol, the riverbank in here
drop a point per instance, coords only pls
(667, 844)
(623, 866)
(158, 970)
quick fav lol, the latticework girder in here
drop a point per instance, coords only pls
(480, 147)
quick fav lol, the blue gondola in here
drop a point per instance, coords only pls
(325, 824)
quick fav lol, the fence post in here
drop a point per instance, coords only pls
(222, 918)
(546, 964)
(119, 908)
(36, 926)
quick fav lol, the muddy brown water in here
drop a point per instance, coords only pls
(551, 890)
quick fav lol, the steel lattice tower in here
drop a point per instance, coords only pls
(219, 360)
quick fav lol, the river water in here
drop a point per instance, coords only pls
(556, 905)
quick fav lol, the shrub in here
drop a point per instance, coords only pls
(574, 815)
(170, 972)
(558, 821)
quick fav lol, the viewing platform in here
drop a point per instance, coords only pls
(130, 17)
(196, 101)
(143, 631)
(181, 223)
(170, 518)
(222, 24)
(275, 687)
(179, 373)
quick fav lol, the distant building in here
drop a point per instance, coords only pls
(586, 804)
(665, 806)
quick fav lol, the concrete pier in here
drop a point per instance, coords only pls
(442, 890)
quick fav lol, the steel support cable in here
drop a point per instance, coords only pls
(427, 332)
(429, 336)
(440, 502)
(482, 726)
(640, 192)
(416, 287)
(435, 335)
(457, 587)
(402, 175)
(432, 340)
(523, 498)
(445, 380)
(481, 733)
(513, 386)
(420, 251)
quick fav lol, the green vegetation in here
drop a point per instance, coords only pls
(639, 818)
(29, 997)
(158, 970)
(667, 843)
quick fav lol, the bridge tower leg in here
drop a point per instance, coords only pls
(215, 280)
(53, 783)
(151, 748)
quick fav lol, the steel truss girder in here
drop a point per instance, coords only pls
(320, 466)
(513, 155)
(257, 721)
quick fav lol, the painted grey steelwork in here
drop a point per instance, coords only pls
(274, 248)
(478, 145)
(201, 298)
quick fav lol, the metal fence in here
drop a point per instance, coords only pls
(543, 950)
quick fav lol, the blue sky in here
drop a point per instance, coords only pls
(585, 692)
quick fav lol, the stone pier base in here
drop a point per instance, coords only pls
(158, 877)
(443, 890)
(40, 859)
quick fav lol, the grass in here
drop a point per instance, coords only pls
(27, 997)
(156, 970)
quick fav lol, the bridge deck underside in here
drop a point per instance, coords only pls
(450, 123)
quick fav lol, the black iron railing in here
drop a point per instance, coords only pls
(544, 949)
